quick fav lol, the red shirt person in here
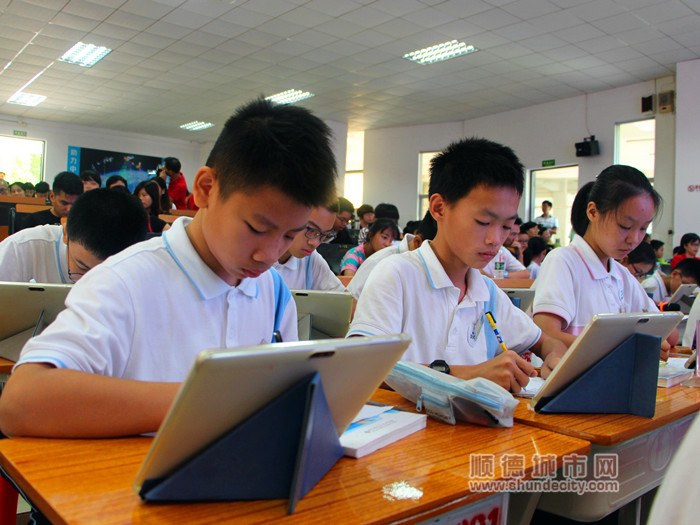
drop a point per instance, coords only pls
(177, 187)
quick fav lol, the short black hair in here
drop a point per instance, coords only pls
(42, 187)
(105, 221)
(114, 179)
(283, 146)
(427, 229)
(548, 203)
(386, 211)
(535, 246)
(28, 186)
(68, 183)
(613, 186)
(656, 244)
(345, 205)
(365, 208)
(91, 175)
(689, 268)
(524, 227)
(172, 164)
(642, 254)
(466, 164)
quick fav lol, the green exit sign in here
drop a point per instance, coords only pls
(550, 162)
(19, 133)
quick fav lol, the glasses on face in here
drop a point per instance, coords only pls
(74, 276)
(344, 220)
(315, 233)
(639, 274)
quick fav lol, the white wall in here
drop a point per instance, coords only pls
(536, 133)
(687, 147)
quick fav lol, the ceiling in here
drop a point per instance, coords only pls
(176, 61)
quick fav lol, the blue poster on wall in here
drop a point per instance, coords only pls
(132, 167)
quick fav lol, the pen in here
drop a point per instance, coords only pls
(277, 336)
(492, 322)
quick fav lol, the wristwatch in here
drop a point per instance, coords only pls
(440, 365)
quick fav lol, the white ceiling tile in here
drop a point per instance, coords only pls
(112, 31)
(618, 23)
(306, 17)
(679, 25)
(22, 23)
(526, 9)
(63, 33)
(130, 21)
(188, 19)
(333, 7)
(169, 30)
(520, 31)
(76, 22)
(580, 33)
(564, 53)
(339, 28)
(510, 51)
(493, 19)
(269, 8)
(87, 9)
(596, 10)
(223, 28)
(461, 9)
(35, 12)
(636, 36)
(138, 50)
(598, 45)
(244, 17)
(258, 38)
(205, 39)
(459, 30)
(428, 17)
(691, 39)
(208, 7)
(281, 28)
(543, 42)
(146, 8)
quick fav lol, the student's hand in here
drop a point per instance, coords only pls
(551, 351)
(508, 370)
(665, 350)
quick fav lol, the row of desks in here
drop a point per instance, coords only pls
(89, 481)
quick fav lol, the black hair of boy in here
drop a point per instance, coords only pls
(689, 268)
(283, 146)
(656, 244)
(386, 211)
(68, 183)
(427, 229)
(535, 246)
(471, 162)
(91, 175)
(379, 225)
(119, 188)
(365, 208)
(642, 254)
(524, 227)
(28, 186)
(105, 222)
(42, 187)
(172, 164)
(548, 203)
(614, 185)
(344, 205)
(115, 179)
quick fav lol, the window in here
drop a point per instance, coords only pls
(636, 145)
(22, 159)
(424, 181)
(354, 165)
(559, 186)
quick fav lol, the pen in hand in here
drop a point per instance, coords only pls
(492, 322)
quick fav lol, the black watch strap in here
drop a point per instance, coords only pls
(440, 365)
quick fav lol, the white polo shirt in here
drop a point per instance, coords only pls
(547, 222)
(37, 253)
(295, 272)
(574, 285)
(411, 293)
(360, 278)
(656, 287)
(512, 264)
(146, 312)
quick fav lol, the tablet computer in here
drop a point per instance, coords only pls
(602, 334)
(224, 387)
(330, 311)
(526, 296)
(25, 309)
(684, 297)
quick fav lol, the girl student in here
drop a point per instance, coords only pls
(690, 242)
(149, 193)
(381, 235)
(534, 255)
(610, 217)
(301, 266)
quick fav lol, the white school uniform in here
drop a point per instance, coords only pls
(691, 324)
(573, 284)
(411, 293)
(534, 270)
(656, 287)
(360, 278)
(37, 254)
(309, 273)
(147, 312)
(512, 264)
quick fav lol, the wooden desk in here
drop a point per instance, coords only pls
(514, 283)
(89, 481)
(6, 366)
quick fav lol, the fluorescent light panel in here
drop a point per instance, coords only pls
(289, 97)
(196, 125)
(85, 55)
(440, 52)
(26, 99)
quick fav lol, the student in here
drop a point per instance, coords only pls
(28, 189)
(177, 185)
(166, 204)
(17, 189)
(658, 247)
(534, 255)
(67, 187)
(381, 235)
(436, 294)
(610, 217)
(301, 266)
(514, 268)
(91, 180)
(342, 219)
(42, 190)
(99, 225)
(427, 229)
(530, 227)
(547, 219)
(386, 211)
(111, 363)
(545, 233)
(148, 193)
(4, 187)
(690, 242)
(512, 244)
(116, 180)
(661, 287)
(640, 261)
(365, 214)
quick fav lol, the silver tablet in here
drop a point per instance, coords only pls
(224, 387)
(602, 334)
(526, 296)
(330, 311)
(684, 297)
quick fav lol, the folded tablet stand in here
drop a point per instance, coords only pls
(623, 382)
(281, 451)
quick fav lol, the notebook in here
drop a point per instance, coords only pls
(26, 309)
(602, 334)
(224, 387)
(330, 311)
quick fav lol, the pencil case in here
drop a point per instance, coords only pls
(450, 399)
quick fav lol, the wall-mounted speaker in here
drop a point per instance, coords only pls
(588, 147)
(666, 102)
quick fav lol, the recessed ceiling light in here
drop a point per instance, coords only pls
(440, 52)
(289, 97)
(26, 99)
(196, 125)
(86, 55)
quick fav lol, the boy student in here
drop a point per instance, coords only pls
(177, 186)
(105, 367)
(66, 188)
(342, 218)
(661, 287)
(436, 293)
(100, 224)
(301, 266)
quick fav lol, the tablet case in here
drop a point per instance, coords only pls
(281, 451)
(623, 382)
